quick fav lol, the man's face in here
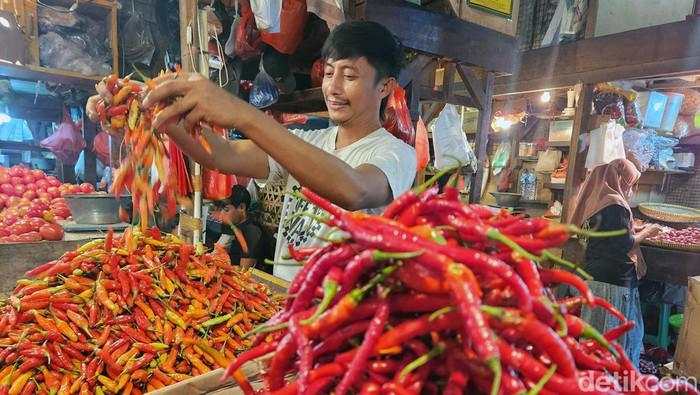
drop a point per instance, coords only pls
(231, 214)
(351, 90)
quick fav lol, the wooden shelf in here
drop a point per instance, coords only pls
(527, 158)
(559, 144)
(550, 185)
(37, 73)
(13, 145)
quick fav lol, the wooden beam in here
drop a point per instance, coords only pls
(427, 94)
(309, 100)
(89, 133)
(482, 138)
(36, 73)
(444, 35)
(188, 24)
(414, 69)
(17, 146)
(591, 18)
(576, 168)
(473, 85)
(432, 111)
(642, 53)
(413, 90)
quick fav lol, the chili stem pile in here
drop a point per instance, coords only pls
(126, 315)
(436, 296)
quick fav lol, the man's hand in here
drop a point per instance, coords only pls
(91, 112)
(198, 100)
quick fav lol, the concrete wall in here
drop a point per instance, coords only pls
(615, 16)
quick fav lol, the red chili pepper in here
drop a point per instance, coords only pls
(416, 327)
(558, 276)
(135, 334)
(615, 333)
(587, 360)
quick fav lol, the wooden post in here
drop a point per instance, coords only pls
(482, 138)
(577, 168)
(89, 133)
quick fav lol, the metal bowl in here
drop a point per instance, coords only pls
(97, 208)
(507, 199)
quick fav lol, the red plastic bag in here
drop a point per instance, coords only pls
(422, 147)
(397, 118)
(217, 185)
(317, 73)
(248, 41)
(67, 142)
(292, 21)
(100, 146)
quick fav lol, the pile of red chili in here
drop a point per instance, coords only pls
(436, 296)
(126, 315)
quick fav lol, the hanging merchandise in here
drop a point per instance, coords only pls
(528, 185)
(137, 45)
(264, 92)
(178, 166)
(548, 161)
(397, 118)
(422, 145)
(292, 21)
(100, 146)
(67, 142)
(267, 14)
(217, 186)
(450, 142)
(247, 43)
(606, 145)
(500, 158)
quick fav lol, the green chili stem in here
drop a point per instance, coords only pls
(545, 378)
(330, 289)
(385, 256)
(590, 332)
(422, 360)
(494, 365)
(439, 313)
(495, 234)
(593, 234)
(432, 180)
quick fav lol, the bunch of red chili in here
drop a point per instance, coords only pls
(126, 315)
(434, 296)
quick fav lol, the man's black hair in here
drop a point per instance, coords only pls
(240, 195)
(357, 39)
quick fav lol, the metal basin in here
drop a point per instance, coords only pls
(506, 199)
(97, 208)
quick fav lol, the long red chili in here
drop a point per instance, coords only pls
(304, 350)
(366, 349)
(558, 276)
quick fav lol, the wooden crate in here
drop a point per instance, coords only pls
(25, 12)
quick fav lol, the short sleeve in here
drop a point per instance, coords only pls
(398, 163)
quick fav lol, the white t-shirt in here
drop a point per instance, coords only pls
(396, 159)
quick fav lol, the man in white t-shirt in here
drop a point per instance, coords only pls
(356, 164)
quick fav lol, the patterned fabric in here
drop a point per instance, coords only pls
(627, 301)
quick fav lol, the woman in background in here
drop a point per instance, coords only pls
(616, 263)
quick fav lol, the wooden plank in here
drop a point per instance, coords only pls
(113, 37)
(576, 167)
(647, 52)
(188, 31)
(13, 145)
(36, 73)
(591, 16)
(482, 138)
(89, 132)
(473, 85)
(309, 100)
(414, 69)
(444, 35)
(427, 94)
(670, 266)
(413, 90)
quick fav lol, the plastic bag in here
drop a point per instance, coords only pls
(632, 114)
(264, 92)
(639, 148)
(267, 14)
(217, 186)
(100, 146)
(137, 44)
(317, 73)
(248, 43)
(422, 145)
(292, 21)
(397, 118)
(548, 160)
(59, 53)
(606, 145)
(450, 142)
(500, 158)
(67, 142)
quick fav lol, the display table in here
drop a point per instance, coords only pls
(670, 266)
(17, 258)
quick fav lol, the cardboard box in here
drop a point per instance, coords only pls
(210, 383)
(687, 358)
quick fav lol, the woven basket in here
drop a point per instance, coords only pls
(271, 202)
(673, 246)
(670, 212)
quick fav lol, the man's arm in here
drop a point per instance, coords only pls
(201, 101)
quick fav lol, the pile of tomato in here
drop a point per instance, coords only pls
(31, 202)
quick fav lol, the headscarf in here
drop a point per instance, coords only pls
(607, 185)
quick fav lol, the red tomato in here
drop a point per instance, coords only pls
(87, 187)
(20, 227)
(63, 189)
(43, 196)
(17, 171)
(53, 181)
(51, 232)
(27, 179)
(40, 184)
(38, 174)
(75, 189)
(29, 194)
(58, 200)
(7, 189)
(20, 189)
(16, 181)
(36, 223)
(31, 237)
(53, 191)
(60, 211)
(4, 232)
(31, 186)
(4, 178)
